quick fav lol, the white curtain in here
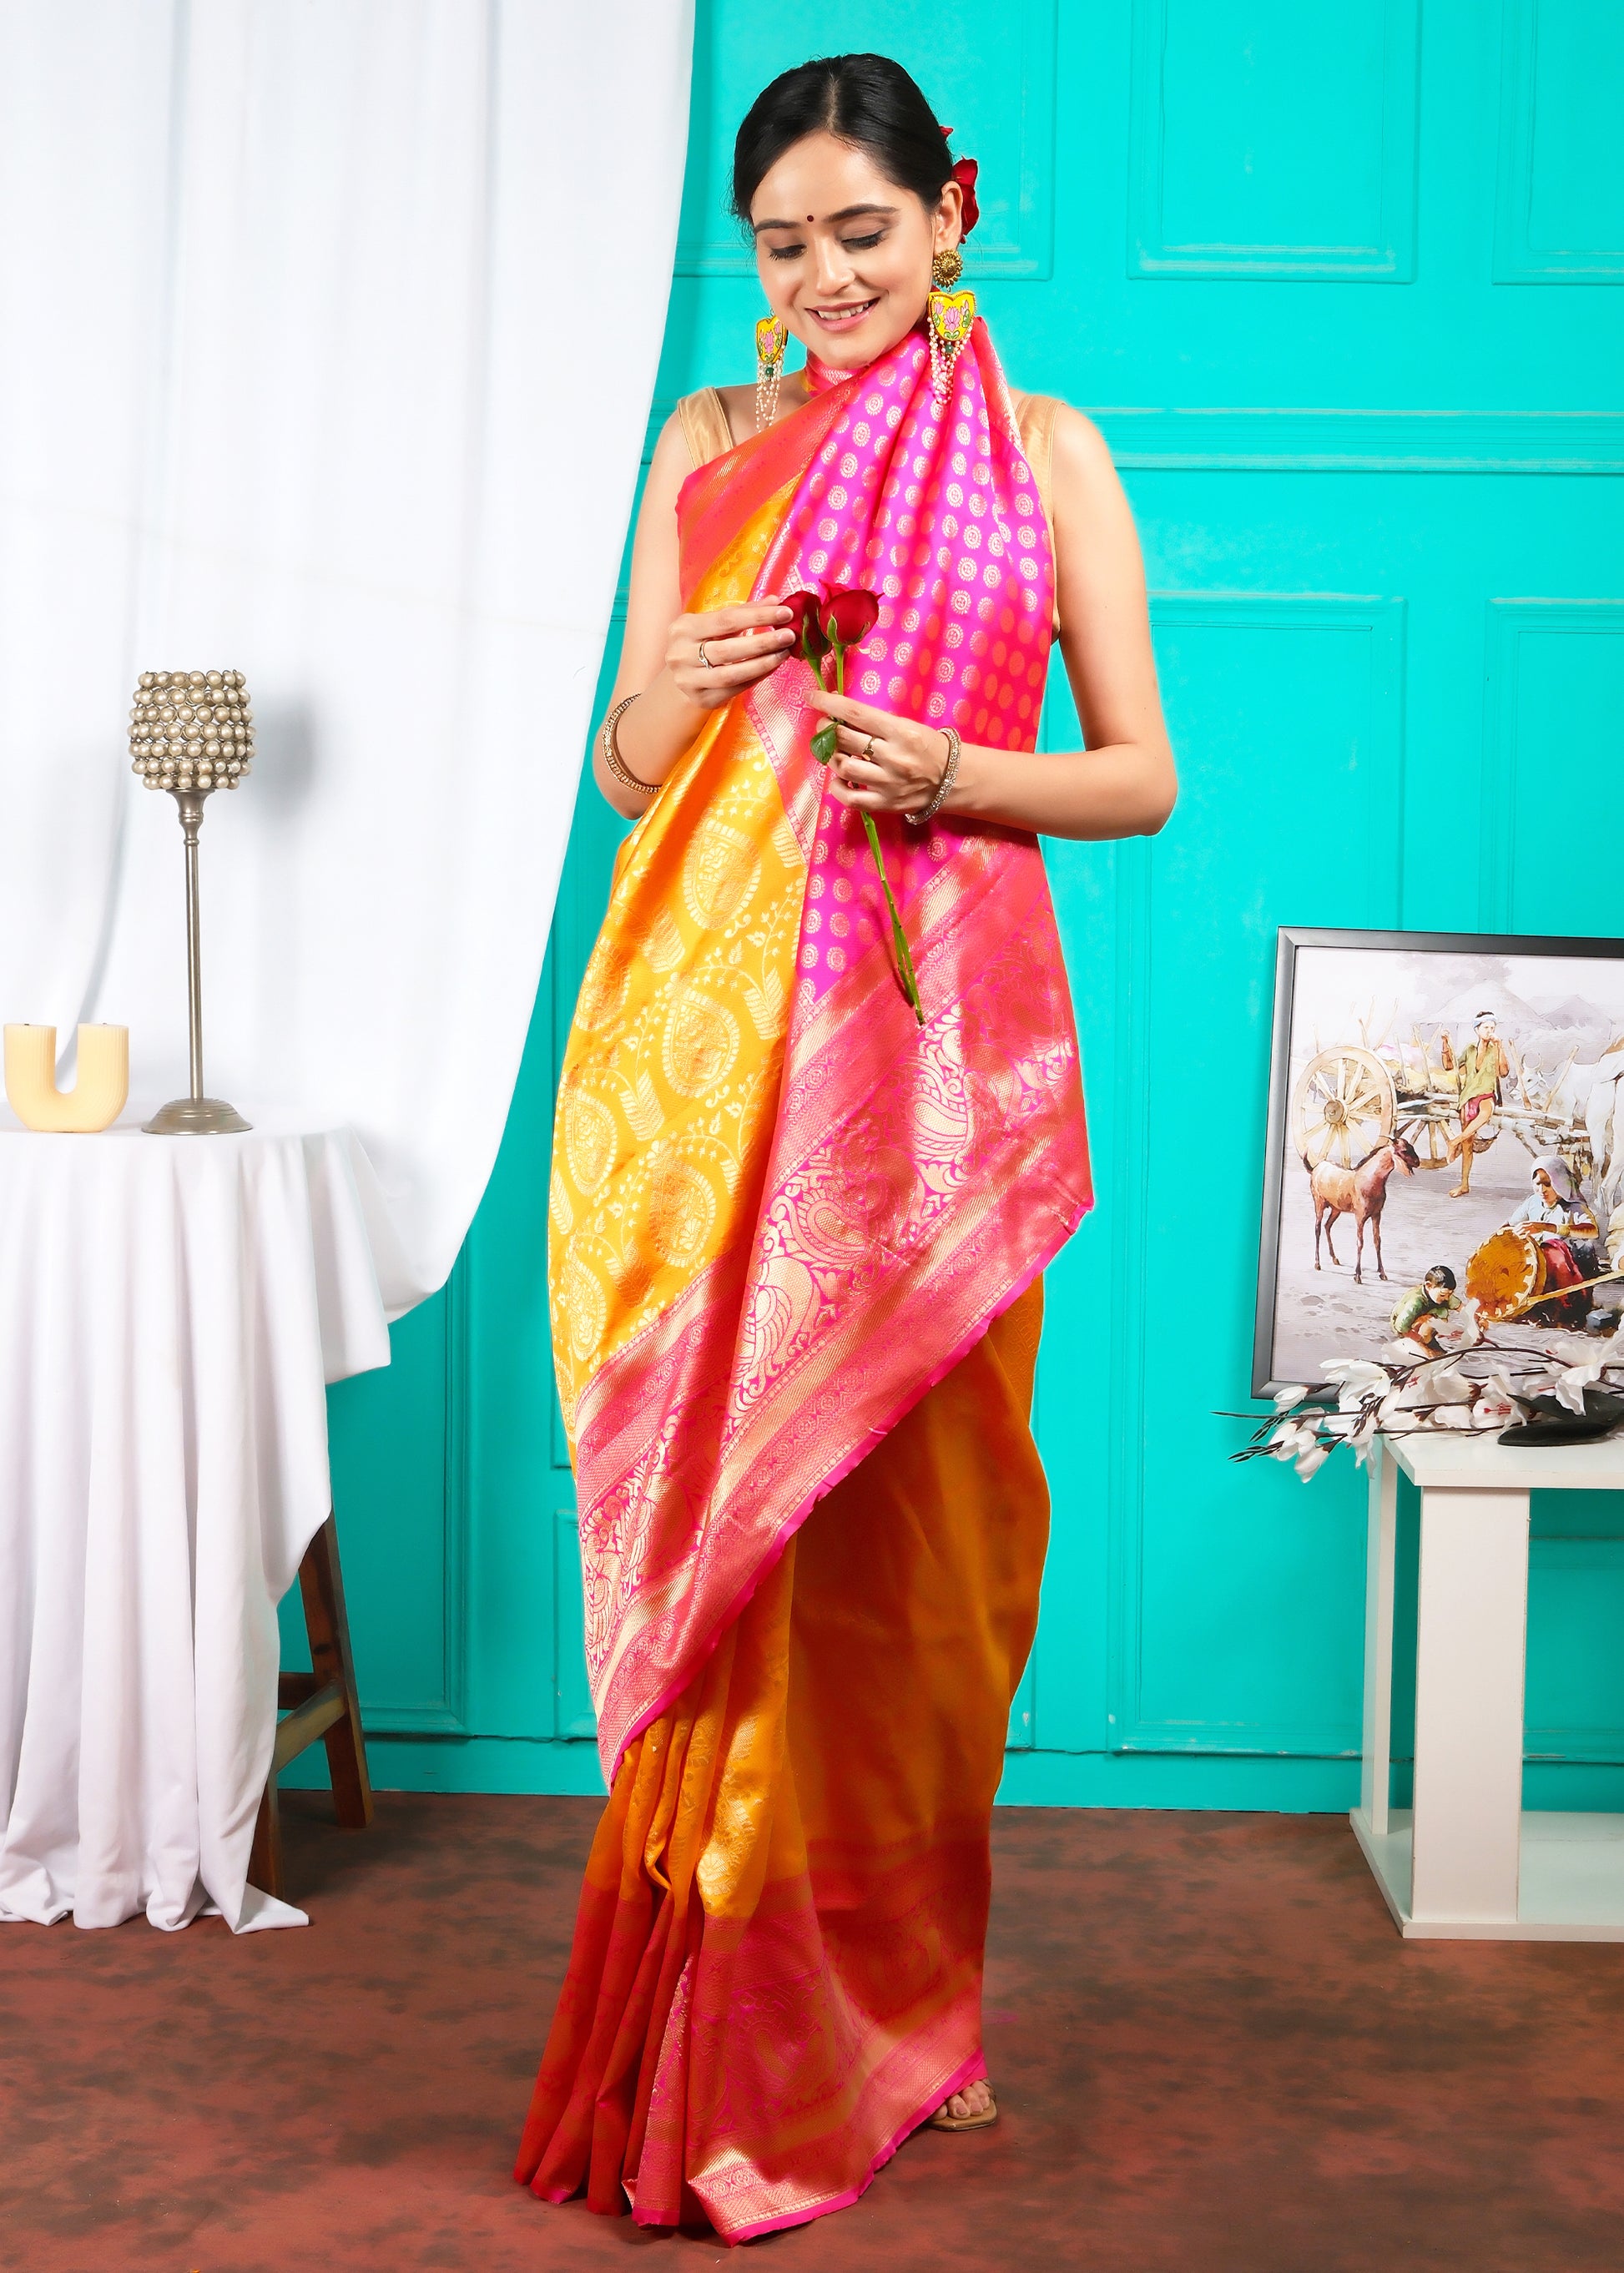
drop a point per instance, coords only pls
(327, 334)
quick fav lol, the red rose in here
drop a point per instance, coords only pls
(848, 616)
(809, 632)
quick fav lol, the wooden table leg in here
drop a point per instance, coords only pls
(321, 1584)
(1470, 1629)
(323, 1703)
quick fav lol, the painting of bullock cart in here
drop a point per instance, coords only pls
(1446, 1137)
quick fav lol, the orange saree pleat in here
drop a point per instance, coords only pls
(776, 1972)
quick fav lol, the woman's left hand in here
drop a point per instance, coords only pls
(881, 764)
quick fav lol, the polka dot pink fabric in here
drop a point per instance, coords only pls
(935, 509)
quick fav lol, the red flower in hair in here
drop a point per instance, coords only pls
(965, 172)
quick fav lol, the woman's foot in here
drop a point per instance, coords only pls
(970, 2108)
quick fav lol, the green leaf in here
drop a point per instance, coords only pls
(825, 742)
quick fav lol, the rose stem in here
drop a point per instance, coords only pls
(905, 960)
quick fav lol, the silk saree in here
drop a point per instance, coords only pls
(797, 1241)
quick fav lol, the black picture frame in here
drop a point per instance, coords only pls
(1290, 940)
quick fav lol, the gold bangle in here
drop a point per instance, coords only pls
(950, 774)
(615, 763)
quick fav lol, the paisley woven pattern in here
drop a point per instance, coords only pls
(671, 1073)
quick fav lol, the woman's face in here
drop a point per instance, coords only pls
(1547, 1190)
(843, 255)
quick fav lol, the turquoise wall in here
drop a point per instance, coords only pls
(1332, 280)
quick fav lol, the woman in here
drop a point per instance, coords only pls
(1559, 1216)
(798, 1231)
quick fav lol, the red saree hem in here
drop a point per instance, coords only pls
(973, 2070)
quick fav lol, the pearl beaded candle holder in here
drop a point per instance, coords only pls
(191, 733)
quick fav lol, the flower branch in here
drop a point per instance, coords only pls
(1480, 1385)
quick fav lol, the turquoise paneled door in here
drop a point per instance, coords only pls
(1340, 284)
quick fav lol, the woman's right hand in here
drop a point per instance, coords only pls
(741, 645)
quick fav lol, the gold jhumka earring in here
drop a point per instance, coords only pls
(772, 338)
(948, 318)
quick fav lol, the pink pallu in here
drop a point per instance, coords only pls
(919, 1179)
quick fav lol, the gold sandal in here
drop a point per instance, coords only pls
(942, 2121)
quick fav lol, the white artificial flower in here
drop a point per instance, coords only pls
(1293, 1393)
(1571, 1385)
(1285, 1443)
(1452, 1388)
(1357, 1375)
(1364, 1436)
(1593, 1360)
(1437, 1384)
(1393, 1418)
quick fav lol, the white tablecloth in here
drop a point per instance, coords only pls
(171, 1311)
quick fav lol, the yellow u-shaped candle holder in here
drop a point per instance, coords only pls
(96, 1099)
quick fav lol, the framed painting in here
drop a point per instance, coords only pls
(1446, 1129)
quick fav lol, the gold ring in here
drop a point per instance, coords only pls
(705, 662)
(869, 749)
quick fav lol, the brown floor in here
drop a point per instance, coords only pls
(1213, 2052)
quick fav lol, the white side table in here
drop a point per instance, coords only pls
(1467, 1863)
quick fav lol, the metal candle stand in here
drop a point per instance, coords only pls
(191, 733)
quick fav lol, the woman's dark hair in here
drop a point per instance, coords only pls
(866, 101)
